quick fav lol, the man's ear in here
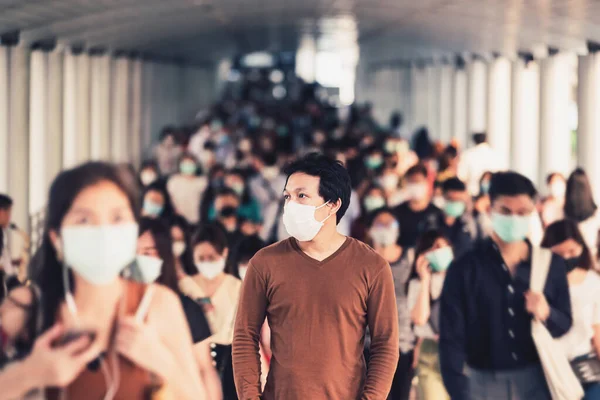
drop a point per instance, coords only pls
(335, 206)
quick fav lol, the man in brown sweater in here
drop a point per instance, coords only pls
(319, 291)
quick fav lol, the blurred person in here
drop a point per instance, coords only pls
(397, 124)
(90, 237)
(249, 208)
(218, 292)
(6, 266)
(486, 307)
(474, 162)
(187, 188)
(383, 233)
(197, 143)
(354, 208)
(582, 342)
(155, 262)
(307, 314)
(482, 206)
(434, 254)
(168, 151)
(389, 180)
(156, 202)
(418, 214)
(448, 164)
(422, 144)
(373, 199)
(552, 207)
(458, 224)
(149, 173)
(581, 207)
(181, 237)
(216, 177)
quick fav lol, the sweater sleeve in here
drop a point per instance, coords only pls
(250, 318)
(382, 317)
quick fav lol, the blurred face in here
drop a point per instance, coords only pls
(205, 252)
(177, 234)
(568, 249)
(155, 197)
(521, 205)
(169, 140)
(416, 179)
(5, 216)
(226, 201)
(14, 311)
(304, 189)
(438, 244)
(455, 195)
(384, 220)
(235, 182)
(147, 246)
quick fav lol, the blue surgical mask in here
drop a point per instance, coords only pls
(188, 167)
(152, 209)
(454, 209)
(511, 228)
(440, 259)
(374, 162)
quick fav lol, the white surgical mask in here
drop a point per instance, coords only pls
(211, 269)
(299, 221)
(389, 182)
(270, 172)
(178, 248)
(417, 191)
(99, 253)
(242, 270)
(147, 177)
(149, 267)
(385, 235)
(558, 189)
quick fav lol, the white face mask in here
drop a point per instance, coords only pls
(242, 271)
(270, 172)
(150, 267)
(389, 182)
(439, 202)
(385, 235)
(211, 269)
(299, 221)
(417, 191)
(147, 177)
(178, 248)
(558, 189)
(99, 253)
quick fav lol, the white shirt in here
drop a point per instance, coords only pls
(352, 213)
(5, 258)
(474, 162)
(585, 305)
(186, 194)
(589, 230)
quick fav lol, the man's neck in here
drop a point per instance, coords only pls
(512, 253)
(450, 220)
(418, 205)
(327, 242)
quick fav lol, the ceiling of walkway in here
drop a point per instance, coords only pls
(202, 29)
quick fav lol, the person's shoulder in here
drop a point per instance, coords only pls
(366, 255)
(273, 251)
(472, 258)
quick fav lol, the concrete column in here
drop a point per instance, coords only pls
(70, 147)
(555, 138)
(38, 185)
(459, 107)
(476, 98)
(4, 113)
(54, 105)
(136, 113)
(100, 124)
(588, 132)
(406, 94)
(18, 140)
(82, 106)
(498, 111)
(525, 118)
(433, 101)
(147, 95)
(446, 97)
(120, 110)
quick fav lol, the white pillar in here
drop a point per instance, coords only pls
(446, 97)
(120, 110)
(476, 98)
(525, 117)
(38, 186)
(18, 140)
(588, 131)
(100, 124)
(498, 111)
(136, 113)
(419, 85)
(4, 113)
(147, 95)
(555, 138)
(82, 106)
(433, 101)
(69, 110)
(406, 93)
(459, 107)
(54, 105)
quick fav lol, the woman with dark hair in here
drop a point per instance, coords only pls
(149, 173)
(181, 237)
(187, 188)
(89, 239)
(583, 339)
(218, 292)
(215, 185)
(581, 207)
(373, 199)
(238, 262)
(155, 262)
(433, 255)
(156, 202)
(249, 207)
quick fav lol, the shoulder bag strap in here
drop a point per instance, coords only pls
(540, 265)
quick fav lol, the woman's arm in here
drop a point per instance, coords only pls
(420, 311)
(207, 371)
(595, 340)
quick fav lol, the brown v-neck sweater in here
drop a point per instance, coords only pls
(318, 312)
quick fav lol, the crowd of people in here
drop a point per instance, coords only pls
(287, 253)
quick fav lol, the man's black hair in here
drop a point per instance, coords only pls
(5, 202)
(511, 184)
(268, 158)
(167, 131)
(334, 180)
(418, 169)
(479, 138)
(453, 185)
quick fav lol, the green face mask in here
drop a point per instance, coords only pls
(454, 209)
(510, 228)
(188, 168)
(440, 259)
(373, 162)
